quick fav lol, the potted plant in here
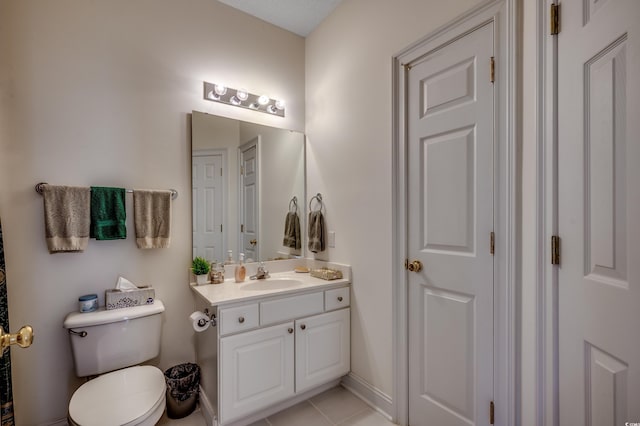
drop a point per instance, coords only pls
(200, 268)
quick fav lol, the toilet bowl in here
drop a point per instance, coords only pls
(127, 397)
(110, 345)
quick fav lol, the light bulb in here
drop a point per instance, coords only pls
(263, 100)
(220, 89)
(242, 94)
(272, 109)
(280, 104)
(212, 95)
(234, 100)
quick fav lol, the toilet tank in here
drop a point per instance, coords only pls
(114, 339)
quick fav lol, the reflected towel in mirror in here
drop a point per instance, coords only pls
(292, 231)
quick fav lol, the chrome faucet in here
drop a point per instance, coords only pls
(261, 274)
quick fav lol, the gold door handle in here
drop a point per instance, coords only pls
(253, 242)
(23, 338)
(414, 266)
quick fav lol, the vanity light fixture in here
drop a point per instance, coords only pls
(242, 98)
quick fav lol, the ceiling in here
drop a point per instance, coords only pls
(298, 16)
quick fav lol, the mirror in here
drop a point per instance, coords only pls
(246, 178)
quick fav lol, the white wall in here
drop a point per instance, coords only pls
(349, 157)
(100, 93)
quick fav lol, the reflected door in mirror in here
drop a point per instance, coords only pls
(208, 204)
(249, 176)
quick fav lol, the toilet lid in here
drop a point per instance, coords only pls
(118, 398)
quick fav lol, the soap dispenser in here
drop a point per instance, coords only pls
(241, 271)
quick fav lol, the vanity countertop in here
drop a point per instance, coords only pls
(279, 283)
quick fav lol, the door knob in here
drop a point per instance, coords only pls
(253, 242)
(23, 338)
(414, 266)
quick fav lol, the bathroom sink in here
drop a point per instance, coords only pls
(272, 284)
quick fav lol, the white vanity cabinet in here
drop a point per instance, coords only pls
(256, 370)
(322, 348)
(268, 350)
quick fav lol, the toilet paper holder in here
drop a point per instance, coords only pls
(212, 318)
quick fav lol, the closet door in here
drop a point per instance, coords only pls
(450, 222)
(599, 212)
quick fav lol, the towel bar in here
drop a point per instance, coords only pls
(174, 193)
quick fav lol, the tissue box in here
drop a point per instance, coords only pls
(115, 299)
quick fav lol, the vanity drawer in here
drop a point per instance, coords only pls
(278, 310)
(336, 298)
(240, 318)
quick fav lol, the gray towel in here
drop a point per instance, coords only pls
(292, 231)
(316, 232)
(152, 218)
(66, 217)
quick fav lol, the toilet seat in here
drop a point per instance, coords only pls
(127, 397)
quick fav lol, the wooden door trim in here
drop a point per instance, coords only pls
(504, 14)
(546, 216)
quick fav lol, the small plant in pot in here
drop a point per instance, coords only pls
(200, 268)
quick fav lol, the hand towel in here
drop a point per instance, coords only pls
(108, 214)
(292, 231)
(152, 218)
(316, 232)
(66, 217)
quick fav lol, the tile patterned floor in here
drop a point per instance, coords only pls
(337, 406)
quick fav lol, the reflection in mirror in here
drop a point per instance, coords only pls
(245, 177)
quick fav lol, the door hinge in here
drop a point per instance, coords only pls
(241, 170)
(492, 247)
(220, 227)
(554, 24)
(493, 69)
(555, 250)
(491, 412)
(220, 171)
(242, 228)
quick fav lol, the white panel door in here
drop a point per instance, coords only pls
(249, 199)
(258, 370)
(322, 348)
(208, 206)
(599, 212)
(450, 219)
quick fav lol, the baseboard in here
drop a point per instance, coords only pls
(373, 396)
(206, 408)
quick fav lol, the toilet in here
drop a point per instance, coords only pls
(110, 344)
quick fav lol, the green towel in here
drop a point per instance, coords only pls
(108, 215)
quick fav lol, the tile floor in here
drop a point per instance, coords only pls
(337, 406)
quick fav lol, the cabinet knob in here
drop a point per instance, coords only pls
(241, 320)
(290, 330)
(303, 326)
(339, 298)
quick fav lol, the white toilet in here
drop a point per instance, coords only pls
(107, 341)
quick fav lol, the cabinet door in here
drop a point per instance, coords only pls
(322, 348)
(256, 370)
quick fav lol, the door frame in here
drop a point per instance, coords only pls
(546, 408)
(504, 14)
